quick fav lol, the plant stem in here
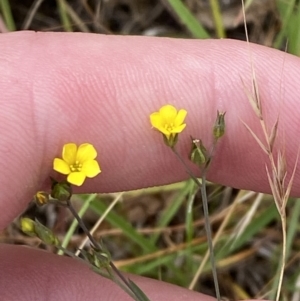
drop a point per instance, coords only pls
(209, 235)
(188, 19)
(202, 187)
(74, 224)
(283, 259)
(128, 288)
(217, 16)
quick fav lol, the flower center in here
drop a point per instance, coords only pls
(169, 127)
(76, 166)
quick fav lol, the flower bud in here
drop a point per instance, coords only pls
(61, 191)
(41, 198)
(45, 234)
(198, 154)
(27, 226)
(219, 126)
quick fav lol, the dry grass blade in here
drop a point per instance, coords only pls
(256, 94)
(278, 173)
(281, 168)
(253, 102)
(244, 222)
(257, 139)
(100, 220)
(289, 187)
(160, 253)
(76, 19)
(274, 189)
(31, 13)
(215, 240)
(273, 135)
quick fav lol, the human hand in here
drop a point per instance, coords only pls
(58, 88)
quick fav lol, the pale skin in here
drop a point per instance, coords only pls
(58, 88)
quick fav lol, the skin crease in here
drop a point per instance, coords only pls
(58, 88)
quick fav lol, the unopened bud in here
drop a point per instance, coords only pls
(41, 198)
(219, 126)
(198, 153)
(45, 234)
(27, 226)
(61, 191)
(100, 259)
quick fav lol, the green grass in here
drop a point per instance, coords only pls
(7, 15)
(188, 19)
(177, 263)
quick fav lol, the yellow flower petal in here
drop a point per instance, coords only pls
(168, 113)
(86, 152)
(61, 166)
(157, 123)
(76, 178)
(180, 117)
(178, 129)
(69, 153)
(91, 168)
(155, 120)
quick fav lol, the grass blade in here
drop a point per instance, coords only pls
(188, 19)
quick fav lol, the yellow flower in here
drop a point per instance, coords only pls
(169, 122)
(77, 163)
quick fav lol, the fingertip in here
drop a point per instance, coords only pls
(32, 274)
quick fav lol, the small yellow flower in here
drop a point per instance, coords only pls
(77, 163)
(169, 122)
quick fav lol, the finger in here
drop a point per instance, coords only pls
(58, 88)
(32, 274)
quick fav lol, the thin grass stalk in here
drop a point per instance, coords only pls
(31, 13)
(75, 18)
(187, 19)
(64, 15)
(7, 14)
(283, 225)
(281, 267)
(217, 16)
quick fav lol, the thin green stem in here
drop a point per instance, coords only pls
(209, 235)
(202, 187)
(188, 19)
(217, 16)
(82, 225)
(187, 169)
(61, 4)
(132, 291)
(74, 224)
